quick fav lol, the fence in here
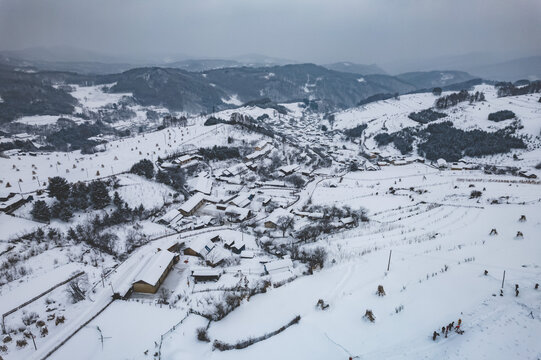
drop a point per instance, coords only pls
(35, 298)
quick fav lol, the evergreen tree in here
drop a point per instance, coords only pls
(59, 188)
(65, 212)
(117, 200)
(79, 195)
(40, 211)
(99, 195)
(163, 177)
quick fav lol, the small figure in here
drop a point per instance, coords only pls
(435, 335)
(536, 286)
(493, 232)
(458, 325)
(501, 292)
(381, 291)
(486, 272)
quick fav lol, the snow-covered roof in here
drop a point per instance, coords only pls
(192, 202)
(202, 246)
(277, 213)
(155, 267)
(241, 200)
(206, 272)
(278, 265)
(203, 185)
(311, 215)
(241, 213)
(347, 220)
(247, 254)
(170, 216)
(235, 169)
(286, 169)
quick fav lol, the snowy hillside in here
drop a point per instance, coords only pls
(271, 231)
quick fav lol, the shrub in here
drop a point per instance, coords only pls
(501, 115)
(202, 334)
(143, 168)
(21, 343)
(475, 194)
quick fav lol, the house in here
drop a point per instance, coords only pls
(257, 154)
(200, 247)
(347, 222)
(241, 200)
(203, 185)
(169, 217)
(261, 145)
(527, 174)
(288, 169)
(272, 220)
(441, 163)
(271, 183)
(203, 275)
(238, 247)
(278, 266)
(246, 254)
(309, 215)
(154, 272)
(235, 213)
(192, 204)
(185, 159)
(207, 250)
(235, 170)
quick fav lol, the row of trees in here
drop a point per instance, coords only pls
(220, 153)
(71, 197)
(453, 99)
(508, 89)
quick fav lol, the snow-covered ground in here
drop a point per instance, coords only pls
(425, 220)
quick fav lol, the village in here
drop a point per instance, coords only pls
(300, 214)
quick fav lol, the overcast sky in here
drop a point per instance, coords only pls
(364, 31)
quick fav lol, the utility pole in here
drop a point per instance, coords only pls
(389, 263)
(34, 341)
(503, 279)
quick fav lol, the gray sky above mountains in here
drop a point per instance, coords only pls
(321, 31)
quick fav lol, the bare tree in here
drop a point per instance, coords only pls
(285, 222)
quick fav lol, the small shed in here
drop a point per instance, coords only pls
(278, 266)
(204, 275)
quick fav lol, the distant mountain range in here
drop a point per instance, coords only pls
(218, 88)
(356, 68)
(493, 66)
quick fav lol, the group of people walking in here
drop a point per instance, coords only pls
(449, 328)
